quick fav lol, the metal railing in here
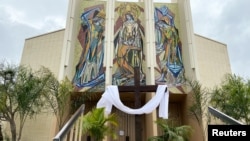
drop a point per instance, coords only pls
(225, 118)
(72, 130)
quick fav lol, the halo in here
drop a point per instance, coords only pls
(130, 8)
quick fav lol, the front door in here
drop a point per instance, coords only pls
(126, 125)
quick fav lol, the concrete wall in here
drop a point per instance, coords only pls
(44, 50)
(212, 60)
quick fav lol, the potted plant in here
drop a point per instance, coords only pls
(98, 125)
(172, 132)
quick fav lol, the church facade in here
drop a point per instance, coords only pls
(108, 39)
(105, 40)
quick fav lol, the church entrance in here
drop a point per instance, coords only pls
(126, 130)
(126, 124)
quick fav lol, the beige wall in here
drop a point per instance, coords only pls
(44, 50)
(40, 128)
(212, 61)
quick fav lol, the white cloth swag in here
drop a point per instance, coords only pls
(111, 97)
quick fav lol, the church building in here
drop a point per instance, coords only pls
(133, 47)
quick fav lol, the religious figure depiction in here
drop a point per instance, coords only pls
(128, 45)
(168, 48)
(89, 70)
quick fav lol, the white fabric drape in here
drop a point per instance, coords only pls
(111, 97)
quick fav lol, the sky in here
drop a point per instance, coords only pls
(226, 21)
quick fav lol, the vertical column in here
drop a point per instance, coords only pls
(112, 16)
(150, 41)
(189, 32)
(151, 127)
(65, 57)
(190, 36)
(108, 54)
(147, 35)
(109, 38)
(105, 61)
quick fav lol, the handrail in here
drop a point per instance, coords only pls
(223, 116)
(66, 128)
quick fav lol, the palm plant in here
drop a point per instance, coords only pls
(171, 132)
(98, 125)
